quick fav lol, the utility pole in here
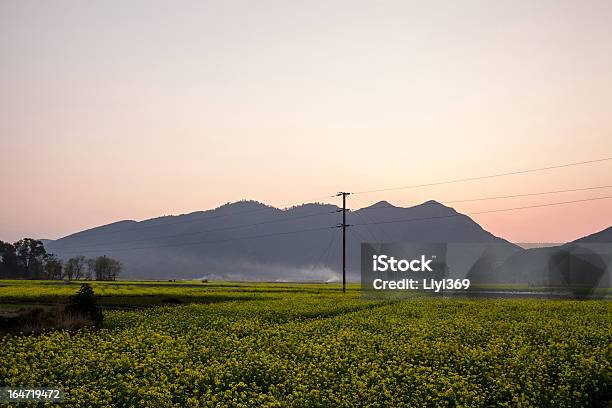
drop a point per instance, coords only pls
(343, 225)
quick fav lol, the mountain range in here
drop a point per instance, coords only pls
(248, 240)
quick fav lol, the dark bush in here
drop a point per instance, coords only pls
(84, 304)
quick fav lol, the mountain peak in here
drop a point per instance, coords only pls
(382, 204)
(244, 205)
(433, 203)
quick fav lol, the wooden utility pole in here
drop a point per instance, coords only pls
(343, 225)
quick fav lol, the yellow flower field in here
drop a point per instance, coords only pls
(319, 348)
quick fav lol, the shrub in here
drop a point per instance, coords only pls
(84, 304)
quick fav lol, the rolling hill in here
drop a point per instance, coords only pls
(585, 262)
(248, 240)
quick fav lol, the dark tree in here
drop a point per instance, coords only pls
(91, 269)
(75, 268)
(9, 267)
(84, 304)
(107, 268)
(31, 256)
(53, 267)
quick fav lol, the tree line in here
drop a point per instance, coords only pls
(28, 259)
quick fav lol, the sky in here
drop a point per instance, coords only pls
(113, 110)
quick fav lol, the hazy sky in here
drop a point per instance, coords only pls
(115, 110)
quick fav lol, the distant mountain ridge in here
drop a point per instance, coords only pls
(603, 236)
(216, 244)
(583, 262)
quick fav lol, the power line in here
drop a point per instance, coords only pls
(344, 224)
(364, 214)
(358, 236)
(326, 252)
(486, 212)
(541, 205)
(528, 194)
(361, 216)
(268, 208)
(503, 197)
(328, 227)
(90, 248)
(462, 180)
(216, 241)
(326, 212)
(336, 242)
(335, 262)
(203, 231)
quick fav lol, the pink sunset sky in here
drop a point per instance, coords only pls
(113, 110)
